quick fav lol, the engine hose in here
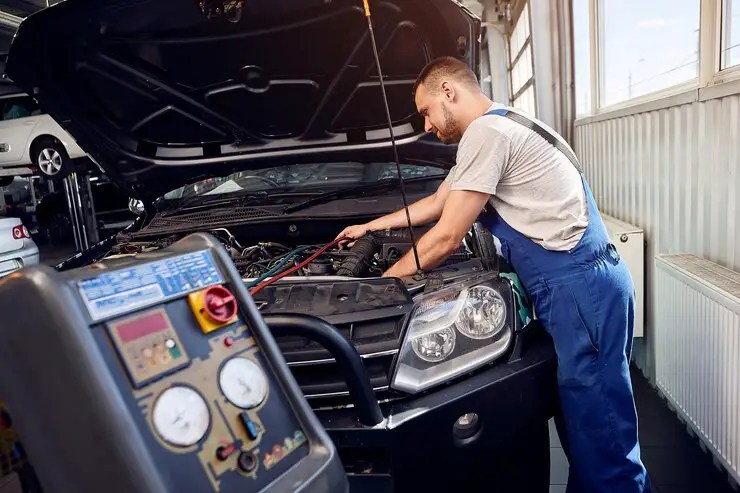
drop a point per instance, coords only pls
(358, 256)
(267, 282)
(287, 258)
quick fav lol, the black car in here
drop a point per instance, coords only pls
(262, 122)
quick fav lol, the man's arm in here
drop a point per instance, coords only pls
(460, 211)
(422, 211)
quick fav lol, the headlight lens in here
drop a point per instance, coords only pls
(435, 346)
(454, 331)
(484, 314)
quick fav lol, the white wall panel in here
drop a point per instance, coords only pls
(674, 172)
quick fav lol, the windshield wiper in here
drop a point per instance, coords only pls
(356, 192)
(200, 201)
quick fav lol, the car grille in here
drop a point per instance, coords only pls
(204, 219)
(319, 376)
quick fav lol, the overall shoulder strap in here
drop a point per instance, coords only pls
(541, 131)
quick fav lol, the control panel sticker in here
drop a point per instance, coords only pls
(148, 345)
(280, 450)
(124, 290)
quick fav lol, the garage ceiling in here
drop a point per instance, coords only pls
(23, 8)
(17, 8)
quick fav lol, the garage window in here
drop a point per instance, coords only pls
(647, 46)
(521, 65)
(582, 53)
(730, 33)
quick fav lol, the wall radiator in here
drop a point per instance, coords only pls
(697, 350)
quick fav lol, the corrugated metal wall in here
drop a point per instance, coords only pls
(674, 172)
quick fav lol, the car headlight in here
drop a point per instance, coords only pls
(453, 331)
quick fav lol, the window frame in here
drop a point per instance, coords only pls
(712, 81)
(527, 44)
(722, 35)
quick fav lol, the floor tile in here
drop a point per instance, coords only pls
(673, 459)
(554, 439)
(558, 466)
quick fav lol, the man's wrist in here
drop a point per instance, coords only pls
(375, 225)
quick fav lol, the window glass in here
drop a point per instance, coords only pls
(647, 46)
(522, 71)
(730, 33)
(525, 101)
(304, 177)
(521, 68)
(520, 34)
(582, 53)
(18, 107)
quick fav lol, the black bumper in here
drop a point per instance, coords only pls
(415, 448)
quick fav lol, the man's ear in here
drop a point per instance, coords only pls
(448, 91)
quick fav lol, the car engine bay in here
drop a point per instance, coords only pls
(367, 257)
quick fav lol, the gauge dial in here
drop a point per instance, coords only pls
(181, 416)
(243, 383)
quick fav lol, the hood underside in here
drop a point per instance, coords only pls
(165, 92)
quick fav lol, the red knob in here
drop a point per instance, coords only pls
(219, 304)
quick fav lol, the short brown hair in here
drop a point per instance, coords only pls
(443, 68)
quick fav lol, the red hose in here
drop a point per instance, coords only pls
(259, 287)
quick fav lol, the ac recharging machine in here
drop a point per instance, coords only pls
(155, 374)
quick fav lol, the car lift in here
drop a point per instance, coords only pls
(81, 209)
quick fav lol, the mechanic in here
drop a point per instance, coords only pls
(541, 209)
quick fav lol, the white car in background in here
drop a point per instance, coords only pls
(30, 140)
(17, 249)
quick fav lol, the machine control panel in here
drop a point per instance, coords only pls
(148, 345)
(174, 366)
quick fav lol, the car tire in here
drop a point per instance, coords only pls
(51, 159)
(486, 247)
(59, 229)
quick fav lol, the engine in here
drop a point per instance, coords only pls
(368, 256)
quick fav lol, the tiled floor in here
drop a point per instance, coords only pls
(674, 460)
(53, 254)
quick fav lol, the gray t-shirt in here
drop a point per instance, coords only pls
(533, 186)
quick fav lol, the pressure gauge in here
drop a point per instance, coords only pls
(243, 383)
(181, 416)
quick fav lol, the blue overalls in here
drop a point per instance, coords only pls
(584, 298)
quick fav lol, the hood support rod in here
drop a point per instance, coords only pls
(368, 15)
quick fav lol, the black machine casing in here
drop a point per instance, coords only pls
(86, 421)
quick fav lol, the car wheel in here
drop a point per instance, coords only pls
(485, 246)
(52, 159)
(59, 230)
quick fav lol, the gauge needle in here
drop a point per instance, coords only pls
(178, 417)
(245, 385)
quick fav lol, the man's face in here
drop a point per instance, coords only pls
(438, 114)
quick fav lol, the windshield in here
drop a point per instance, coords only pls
(298, 178)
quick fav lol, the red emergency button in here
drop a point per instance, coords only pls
(219, 304)
(213, 308)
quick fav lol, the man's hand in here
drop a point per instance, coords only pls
(422, 211)
(461, 209)
(351, 233)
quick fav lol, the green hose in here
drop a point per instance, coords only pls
(287, 258)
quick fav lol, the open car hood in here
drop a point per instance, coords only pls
(162, 93)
